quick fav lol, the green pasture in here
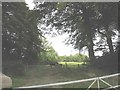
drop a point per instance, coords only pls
(72, 64)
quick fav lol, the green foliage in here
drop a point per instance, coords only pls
(74, 58)
(23, 42)
(82, 21)
(49, 55)
(21, 39)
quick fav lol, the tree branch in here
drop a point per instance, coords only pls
(102, 33)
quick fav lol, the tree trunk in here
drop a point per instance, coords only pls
(91, 51)
(89, 32)
(90, 47)
(109, 40)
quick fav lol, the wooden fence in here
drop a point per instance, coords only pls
(95, 80)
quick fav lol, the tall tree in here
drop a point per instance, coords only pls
(81, 21)
(49, 55)
(73, 18)
(21, 39)
(107, 23)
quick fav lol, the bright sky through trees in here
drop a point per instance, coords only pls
(30, 3)
(57, 42)
(59, 45)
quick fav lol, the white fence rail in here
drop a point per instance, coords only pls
(96, 79)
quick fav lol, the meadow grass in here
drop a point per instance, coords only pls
(72, 64)
(45, 74)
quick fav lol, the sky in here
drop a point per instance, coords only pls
(30, 3)
(60, 47)
(58, 41)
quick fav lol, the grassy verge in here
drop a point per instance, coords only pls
(45, 74)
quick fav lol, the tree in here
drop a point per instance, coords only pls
(21, 39)
(72, 18)
(49, 55)
(108, 21)
(81, 21)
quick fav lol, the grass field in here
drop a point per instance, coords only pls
(72, 64)
(45, 74)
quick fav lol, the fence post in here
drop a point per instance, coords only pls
(66, 64)
(78, 65)
(98, 83)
